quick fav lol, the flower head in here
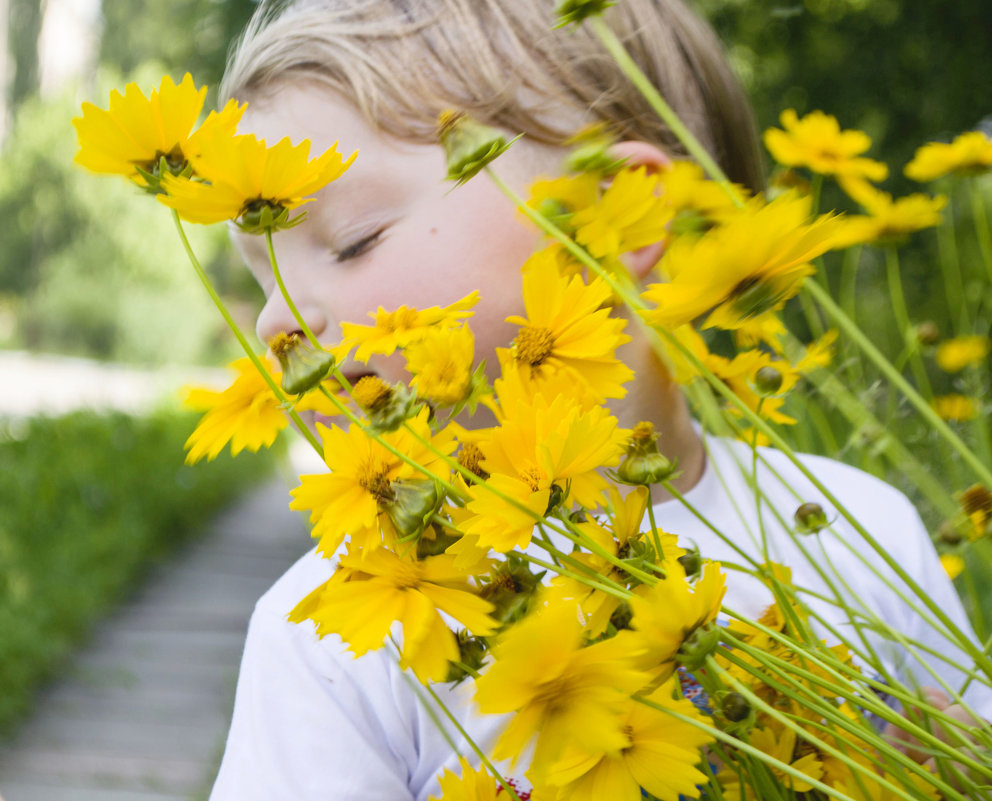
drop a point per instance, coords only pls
(660, 756)
(354, 497)
(441, 364)
(471, 785)
(628, 216)
(247, 414)
(955, 408)
(403, 327)
(969, 154)
(567, 329)
(887, 220)
(134, 135)
(561, 690)
(743, 269)
(817, 142)
(373, 590)
(953, 355)
(251, 183)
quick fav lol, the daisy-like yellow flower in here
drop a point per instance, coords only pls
(247, 414)
(136, 132)
(251, 183)
(471, 785)
(622, 539)
(953, 565)
(747, 267)
(544, 444)
(969, 154)
(628, 216)
(403, 327)
(353, 498)
(888, 220)
(666, 615)
(696, 202)
(441, 364)
(561, 690)
(568, 329)
(373, 590)
(660, 755)
(953, 355)
(817, 142)
(781, 745)
(955, 408)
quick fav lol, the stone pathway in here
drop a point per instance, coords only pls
(143, 710)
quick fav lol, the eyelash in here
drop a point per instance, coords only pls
(356, 249)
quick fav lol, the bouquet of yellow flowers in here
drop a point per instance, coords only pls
(521, 555)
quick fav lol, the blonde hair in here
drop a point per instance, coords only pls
(402, 62)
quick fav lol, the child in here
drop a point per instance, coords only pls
(310, 721)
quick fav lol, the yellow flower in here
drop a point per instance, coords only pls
(660, 755)
(666, 615)
(955, 408)
(352, 498)
(567, 329)
(560, 691)
(247, 414)
(749, 266)
(136, 132)
(887, 220)
(441, 364)
(817, 142)
(969, 154)
(952, 564)
(403, 327)
(371, 591)
(472, 785)
(544, 444)
(780, 746)
(688, 193)
(249, 182)
(628, 216)
(953, 355)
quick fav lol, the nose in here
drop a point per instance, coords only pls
(277, 318)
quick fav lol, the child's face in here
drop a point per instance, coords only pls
(389, 232)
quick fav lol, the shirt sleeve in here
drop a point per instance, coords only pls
(312, 722)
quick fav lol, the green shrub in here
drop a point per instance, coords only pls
(87, 503)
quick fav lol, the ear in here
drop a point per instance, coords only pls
(642, 154)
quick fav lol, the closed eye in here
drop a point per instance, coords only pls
(358, 248)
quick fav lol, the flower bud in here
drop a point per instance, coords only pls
(471, 653)
(735, 707)
(768, 381)
(692, 563)
(510, 587)
(414, 503)
(927, 333)
(949, 533)
(385, 406)
(810, 518)
(303, 366)
(468, 144)
(574, 11)
(698, 646)
(643, 464)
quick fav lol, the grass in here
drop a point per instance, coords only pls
(88, 502)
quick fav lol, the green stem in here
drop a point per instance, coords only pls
(619, 53)
(924, 408)
(901, 313)
(249, 351)
(285, 292)
(981, 221)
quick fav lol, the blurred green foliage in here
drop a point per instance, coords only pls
(905, 71)
(87, 503)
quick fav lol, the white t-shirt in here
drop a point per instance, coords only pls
(313, 723)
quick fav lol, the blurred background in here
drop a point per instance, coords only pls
(95, 295)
